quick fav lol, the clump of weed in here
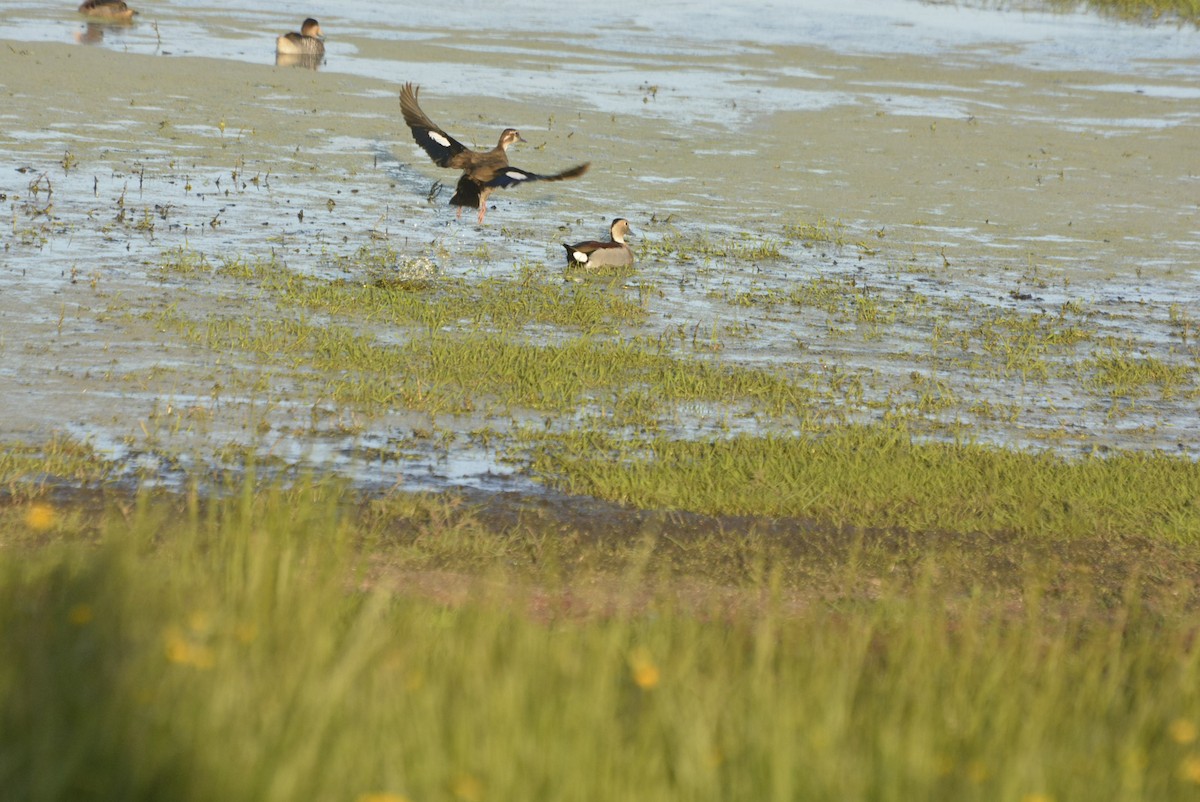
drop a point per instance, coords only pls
(744, 246)
(34, 469)
(1125, 375)
(821, 232)
(1186, 10)
(184, 262)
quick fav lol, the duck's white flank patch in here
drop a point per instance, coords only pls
(438, 138)
(579, 256)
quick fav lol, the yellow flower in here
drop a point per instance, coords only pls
(645, 673)
(80, 614)
(182, 651)
(39, 517)
(467, 787)
(1182, 731)
(1189, 769)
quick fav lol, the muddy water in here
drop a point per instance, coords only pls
(1005, 157)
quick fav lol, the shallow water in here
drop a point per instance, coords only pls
(1017, 160)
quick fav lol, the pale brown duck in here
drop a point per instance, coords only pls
(114, 10)
(310, 41)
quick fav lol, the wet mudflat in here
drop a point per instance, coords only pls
(989, 238)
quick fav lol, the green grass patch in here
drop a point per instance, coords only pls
(821, 232)
(439, 373)
(31, 470)
(700, 247)
(1123, 374)
(274, 646)
(1007, 342)
(461, 373)
(534, 297)
(871, 477)
(1188, 10)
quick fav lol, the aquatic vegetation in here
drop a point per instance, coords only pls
(1187, 10)
(703, 246)
(533, 297)
(184, 262)
(1126, 375)
(1183, 323)
(29, 470)
(823, 231)
(873, 477)
(598, 356)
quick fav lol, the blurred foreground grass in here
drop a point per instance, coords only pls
(308, 644)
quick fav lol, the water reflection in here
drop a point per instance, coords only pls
(103, 15)
(92, 34)
(306, 61)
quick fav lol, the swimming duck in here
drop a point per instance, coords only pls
(614, 253)
(483, 172)
(107, 9)
(309, 42)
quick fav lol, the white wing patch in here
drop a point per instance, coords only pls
(580, 256)
(438, 138)
(515, 176)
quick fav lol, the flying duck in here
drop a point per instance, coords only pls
(482, 172)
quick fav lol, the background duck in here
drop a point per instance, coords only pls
(482, 172)
(614, 253)
(107, 9)
(309, 42)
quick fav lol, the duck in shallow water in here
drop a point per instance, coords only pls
(114, 10)
(309, 42)
(614, 253)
